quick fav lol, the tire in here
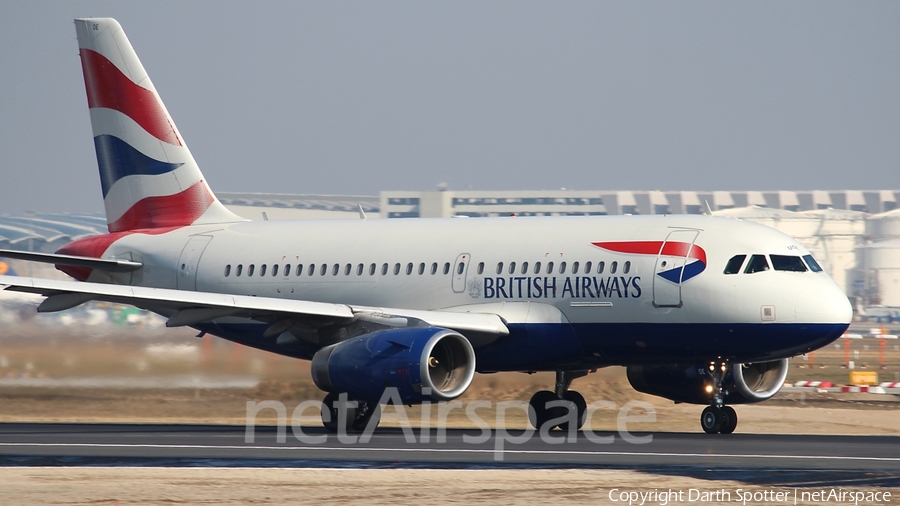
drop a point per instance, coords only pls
(711, 420)
(580, 409)
(538, 415)
(328, 406)
(729, 420)
(367, 412)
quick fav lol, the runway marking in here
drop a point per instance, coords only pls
(453, 450)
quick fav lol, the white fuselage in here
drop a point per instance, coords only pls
(449, 263)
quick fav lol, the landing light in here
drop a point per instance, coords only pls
(709, 389)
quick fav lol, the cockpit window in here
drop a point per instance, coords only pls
(787, 263)
(734, 265)
(757, 263)
(811, 262)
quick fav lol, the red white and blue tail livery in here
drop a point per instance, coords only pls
(148, 176)
(699, 309)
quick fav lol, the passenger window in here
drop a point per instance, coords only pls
(396, 269)
(335, 269)
(359, 269)
(274, 270)
(434, 268)
(587, 267)
(512, 267)
(371, 269)
(421, 268)
(574, 267)
(384, 269)
(446, 267)
(500, 268)
(734, 264)
(299, 269)
(240, 269)
(613, 267)
(626, 268)
(312, 269)
(600, 266)
(562, 267)
(323, 270)
(787, 263)
(480, 267)
(250, 270)
(811, 262)
(227, 270)
(549, 267)
(262, 270)
(409, 268)
(347, 269)
(537, 267)
(460, 268)
(757, 263)
(524, 267)
(287, 270)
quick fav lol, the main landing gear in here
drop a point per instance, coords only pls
(353, 418)
(540, 414)
(718, 418)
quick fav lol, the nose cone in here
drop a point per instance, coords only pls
(825, 303)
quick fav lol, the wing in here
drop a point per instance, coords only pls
(187, 307)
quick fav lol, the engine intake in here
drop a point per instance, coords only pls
(744, 383)
(424, 364)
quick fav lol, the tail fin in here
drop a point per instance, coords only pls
(148, 176)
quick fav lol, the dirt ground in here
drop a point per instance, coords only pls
(376, 487)
(128, 368)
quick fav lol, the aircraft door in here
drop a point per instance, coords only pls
(669, 269)
(189, 261)
(460, 268)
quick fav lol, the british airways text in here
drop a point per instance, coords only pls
(577, 287)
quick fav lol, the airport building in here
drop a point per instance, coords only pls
(855, 234)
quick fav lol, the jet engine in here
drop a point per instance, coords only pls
(423, 363)
(743, 383)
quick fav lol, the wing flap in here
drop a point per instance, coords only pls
(474, 322)
(175, 299)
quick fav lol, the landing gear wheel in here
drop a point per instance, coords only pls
(538, 415)
(366, 413)
(580, 409)
(729, 420)
(711, 420)
(331, 421)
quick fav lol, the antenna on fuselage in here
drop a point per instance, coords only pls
(708, 209)
(362, 214)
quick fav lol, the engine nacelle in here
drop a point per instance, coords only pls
(410, 359)
(744, 383)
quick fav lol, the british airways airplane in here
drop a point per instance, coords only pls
(699, 309)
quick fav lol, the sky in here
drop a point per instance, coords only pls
(360, 97)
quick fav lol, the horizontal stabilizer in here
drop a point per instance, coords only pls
(102, 264)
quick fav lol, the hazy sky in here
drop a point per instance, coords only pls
(355, 98)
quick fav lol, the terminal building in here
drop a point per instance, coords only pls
(855, 234)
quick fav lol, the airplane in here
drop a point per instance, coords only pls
(698, 309)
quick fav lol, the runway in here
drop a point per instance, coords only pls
(229, 445)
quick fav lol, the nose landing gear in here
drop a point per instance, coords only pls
(718, 418)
